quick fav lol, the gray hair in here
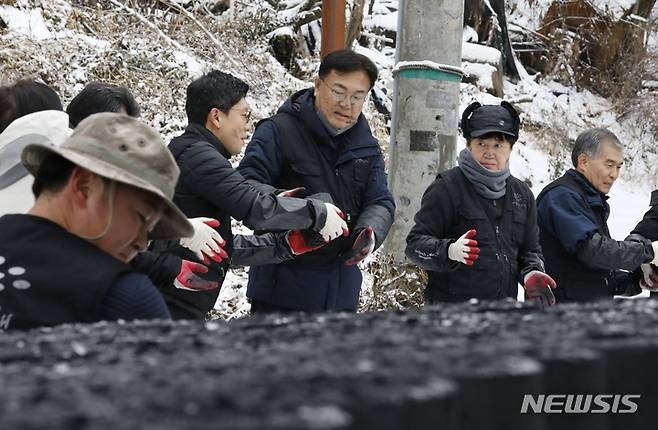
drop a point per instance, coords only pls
(589, 142)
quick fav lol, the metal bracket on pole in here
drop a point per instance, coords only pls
(426, 69)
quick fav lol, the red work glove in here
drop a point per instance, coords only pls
(363, 246)
(464, 250)
(188, 280)
(539, 287)
(298, 244)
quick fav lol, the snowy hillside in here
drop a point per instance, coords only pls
(156, 49)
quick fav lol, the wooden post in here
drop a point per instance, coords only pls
(333, 26)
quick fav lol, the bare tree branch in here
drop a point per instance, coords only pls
(211, 36)
(356, 21)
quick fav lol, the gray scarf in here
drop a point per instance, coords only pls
(487, 183)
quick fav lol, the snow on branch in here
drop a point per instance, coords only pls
(212, 38)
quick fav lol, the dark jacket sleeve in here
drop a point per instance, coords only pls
(601, 252)
(379, 218)
(566, 216)
(264, 188)
(378, 203)
(530, 257)
(211, 176)
(254, 250)
(161, 267)
(427, 246)
(133, 296)
(648, 227)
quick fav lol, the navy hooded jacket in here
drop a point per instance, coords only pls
(294, 149)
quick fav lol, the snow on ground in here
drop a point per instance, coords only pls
(389, 21)
(27, 22)
(529, 13)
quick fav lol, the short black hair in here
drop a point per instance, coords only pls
(24, 97)
(53, 174)
(213, 90)
(347, 61)
(101, 97)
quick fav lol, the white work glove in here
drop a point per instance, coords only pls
(464, 250)
(206, 242)
(334, 225)
(654, 245)
(649, 280)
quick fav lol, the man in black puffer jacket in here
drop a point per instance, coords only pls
(218, 116)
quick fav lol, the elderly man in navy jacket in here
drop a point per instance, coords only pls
(572, 218)
(319, 140)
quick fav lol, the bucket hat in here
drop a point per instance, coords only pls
(123, 149)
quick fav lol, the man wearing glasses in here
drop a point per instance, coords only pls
(320, 140)
(218, 116)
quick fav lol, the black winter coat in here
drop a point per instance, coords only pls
(58, 277)
(648, 227)
(210, 187)
(508, 245)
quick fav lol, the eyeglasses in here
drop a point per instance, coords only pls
(340, 96)
(246, 115)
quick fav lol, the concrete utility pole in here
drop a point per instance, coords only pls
(426, 105)
(333, 26)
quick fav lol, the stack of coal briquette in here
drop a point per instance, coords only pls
(465, 366)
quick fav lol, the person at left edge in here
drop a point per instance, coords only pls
(99, 197)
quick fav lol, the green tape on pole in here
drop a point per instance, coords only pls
(431, 74)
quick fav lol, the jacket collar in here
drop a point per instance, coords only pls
(594, 196)
(302, 105)
(206, 135)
